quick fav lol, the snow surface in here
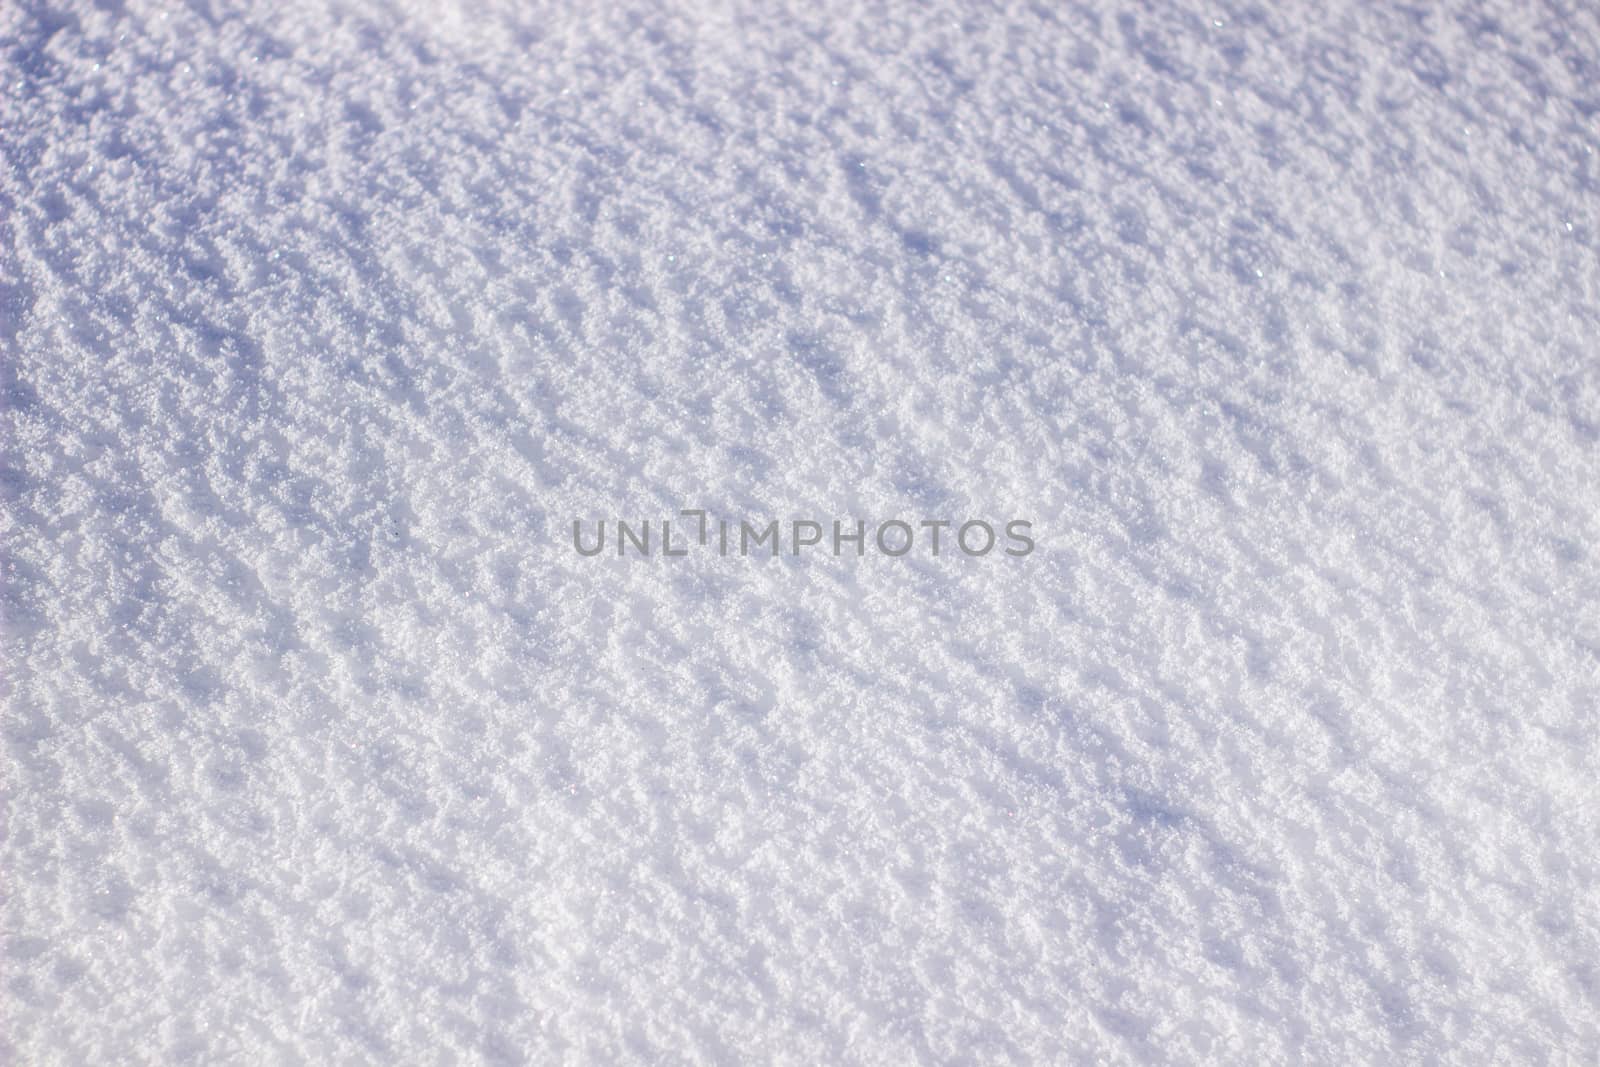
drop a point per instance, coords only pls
(322, 322)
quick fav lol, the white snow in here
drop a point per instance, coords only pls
(321, 322)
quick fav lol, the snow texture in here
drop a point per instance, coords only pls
(321, 322)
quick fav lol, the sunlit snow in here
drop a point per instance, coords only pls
(322, 323)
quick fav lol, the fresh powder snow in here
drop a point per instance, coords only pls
(324, 323)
